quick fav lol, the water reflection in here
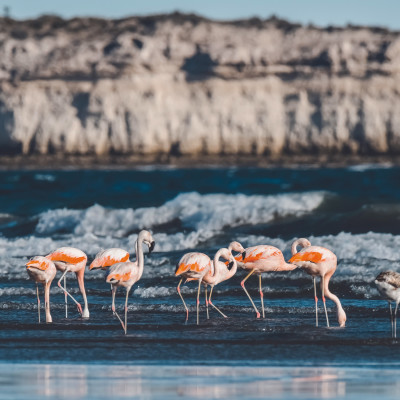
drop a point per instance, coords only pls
(168, 382)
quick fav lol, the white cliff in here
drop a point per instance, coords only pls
(180, 84)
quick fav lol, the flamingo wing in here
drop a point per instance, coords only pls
(68, 255)
(109, 257)
(193, 262)
(41, 263)
(121, 272)
(313, 254)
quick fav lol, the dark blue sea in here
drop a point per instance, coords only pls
(353, 211)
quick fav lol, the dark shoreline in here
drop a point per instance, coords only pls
(47, 162)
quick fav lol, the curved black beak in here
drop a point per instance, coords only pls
(230, 265)
(243, 255)
(151, 247)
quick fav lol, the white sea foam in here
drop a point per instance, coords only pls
(45, 177)
(201, 213)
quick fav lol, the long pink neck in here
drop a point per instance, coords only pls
(139, 255)
(232, 270)
(331, 296)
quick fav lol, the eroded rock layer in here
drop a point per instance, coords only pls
(180, 84)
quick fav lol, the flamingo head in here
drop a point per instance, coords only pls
(236, 246)
(227, 255)
(146, 237)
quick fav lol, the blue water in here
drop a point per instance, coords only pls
(353, 211)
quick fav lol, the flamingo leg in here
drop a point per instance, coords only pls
(261, 297)
(395, 319)
(215, 307)
(38, 300)
(114, 290)
(66, 297)
(67, 293)
(126, 309)
(47, 301)
(316, 301)
(391, 316)
(244, 288)
(208, 316)
(198, 301)
(183, 301)
(323, 299)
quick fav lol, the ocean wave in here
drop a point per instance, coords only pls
(196, 212)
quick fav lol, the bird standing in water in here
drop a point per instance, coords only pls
(388, 284)
(192, 266)
(43, 271)
(126, 274)
(258, 260)
(70, 259)
(221, 272)
(319, 261)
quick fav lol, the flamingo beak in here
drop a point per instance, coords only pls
(243, 255)
(230, 265)
(151, 247)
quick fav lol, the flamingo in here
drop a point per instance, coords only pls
(43, 271)
(319, 261)
(388, 284)
(70, 259)
(126, 274)
(221, 272)
(192, 266)
(260, 259)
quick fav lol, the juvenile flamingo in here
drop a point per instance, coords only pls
(388, 284)
(70, 259)
(192, 266)
(126, 274)
(319, 261)
(222, 272)
(260, 259)
(43, 271)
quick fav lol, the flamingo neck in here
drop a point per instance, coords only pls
(294, 247)
(233, 270)
(139, 255)
(328, 294)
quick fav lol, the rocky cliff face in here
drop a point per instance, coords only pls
(181, 84)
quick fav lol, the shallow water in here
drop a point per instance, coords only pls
(195, 382)
(355, 212)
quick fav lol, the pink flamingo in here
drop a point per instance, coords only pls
(222, 272)
(192, 266)
(319, 261)
(126, 274)
(70, 259)
(260, 259)
(43, 271)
